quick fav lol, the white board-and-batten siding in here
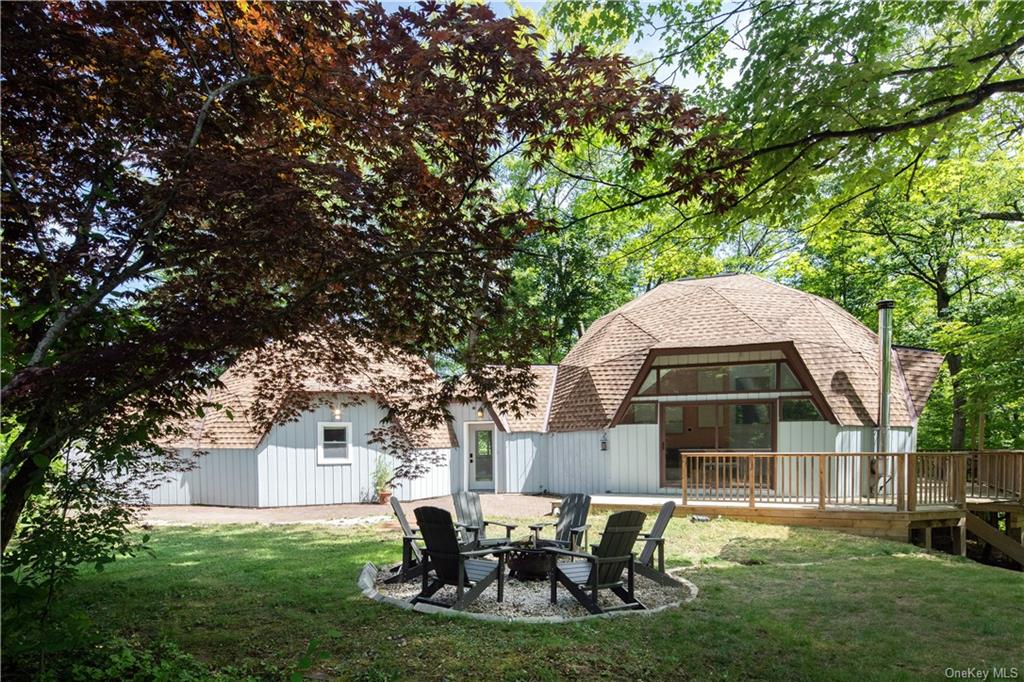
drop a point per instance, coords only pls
(519, 462)
(576, 463)
(289, 474)
(633, 458)
(221, 477)
(283, 470)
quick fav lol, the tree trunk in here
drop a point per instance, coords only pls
(15, 496)
(29, 464)
(954, 362)
(958, 435)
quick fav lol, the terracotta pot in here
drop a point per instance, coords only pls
(383, 496)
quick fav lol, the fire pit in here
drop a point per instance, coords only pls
(526, 562)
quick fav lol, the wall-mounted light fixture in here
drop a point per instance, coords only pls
(336, 409)
(480, 412)
(604, 441)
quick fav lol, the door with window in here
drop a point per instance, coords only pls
(481, 457)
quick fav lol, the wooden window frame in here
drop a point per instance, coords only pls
(657, 369)
(787, 348)
(657, 413)
(809, 399)
(321, 458)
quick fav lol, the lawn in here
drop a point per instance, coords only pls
(775, 603)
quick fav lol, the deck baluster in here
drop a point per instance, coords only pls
(822, 488)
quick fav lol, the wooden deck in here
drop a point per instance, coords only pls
(873, 520)
(887, 495)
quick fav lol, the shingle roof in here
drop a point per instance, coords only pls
(234, 425)
(535, 418)
(736, 310)
(920, 367)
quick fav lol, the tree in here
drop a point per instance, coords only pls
(881, 142)
(185, 182)
(989, 336)
(933, 245)
(858, 91)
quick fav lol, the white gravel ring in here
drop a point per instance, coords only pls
(370, 577)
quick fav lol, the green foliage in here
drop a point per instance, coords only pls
(383, 474)
(82, 520)
(122, 659)
(936, 422)
(883, 154)
(79, 519)
(989, 334)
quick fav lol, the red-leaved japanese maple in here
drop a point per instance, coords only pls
(185, 182)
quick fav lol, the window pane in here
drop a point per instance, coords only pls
(673, 419)
(335, 434)
(484, 456)
(709, 416)
(788, 380)
(748, 427)
(752, 377)
(712, 380)
(678, 381)
(650, 384)
(673, 466)
(641, 413)
(800, 411)
(335, 450)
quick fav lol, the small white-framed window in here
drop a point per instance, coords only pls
(334, 443)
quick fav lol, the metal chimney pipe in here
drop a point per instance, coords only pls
(884, 372)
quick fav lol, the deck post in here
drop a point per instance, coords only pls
(822, 488)
(961, 477)
(911, 482)
(750, 478)
(901, 483)
(1020, 490)
(1013, 527)
(960, 537)
(683, 462)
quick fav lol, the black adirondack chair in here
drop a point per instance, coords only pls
(445, 562)
(570, 527)
(471, 523)
(655, 542)
(603, 569)
(412, 558)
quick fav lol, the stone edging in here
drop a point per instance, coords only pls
(368, 580)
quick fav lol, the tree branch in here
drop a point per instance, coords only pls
(964, 101)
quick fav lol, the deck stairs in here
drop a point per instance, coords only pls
(1001, 541)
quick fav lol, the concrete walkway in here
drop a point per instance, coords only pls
(494, 506)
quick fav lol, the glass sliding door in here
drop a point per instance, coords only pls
(723, 427)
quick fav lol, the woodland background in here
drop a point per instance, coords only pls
(864, 184)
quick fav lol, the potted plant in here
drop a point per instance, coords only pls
(382, 477)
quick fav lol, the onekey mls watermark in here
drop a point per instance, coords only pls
(993, 673)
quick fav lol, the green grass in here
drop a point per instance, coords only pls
(775, 603)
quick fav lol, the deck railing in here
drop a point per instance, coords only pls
(897, 481)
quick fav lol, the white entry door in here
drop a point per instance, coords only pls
(481, 457)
